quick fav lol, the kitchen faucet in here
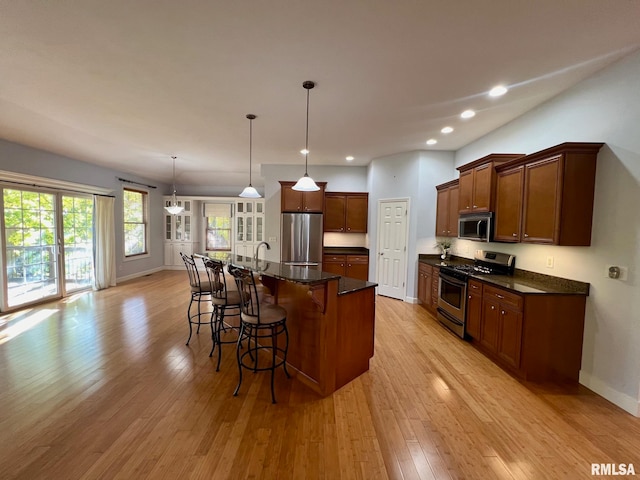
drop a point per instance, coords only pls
(255, 256)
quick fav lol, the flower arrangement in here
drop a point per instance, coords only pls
(444, 246)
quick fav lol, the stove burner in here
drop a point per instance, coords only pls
(472, 269)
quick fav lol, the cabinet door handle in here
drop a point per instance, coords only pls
(475, 206)
(342, 264)
(526, 235)
(493, 307)
(469, 297)
(515, 234)
(502, 312)
(499, 296)
(348, 228)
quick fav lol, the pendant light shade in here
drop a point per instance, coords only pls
(174, 208)
(249, 191)
(306, 183)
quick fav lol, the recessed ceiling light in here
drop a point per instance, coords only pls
(498, 91)
(304, 151)
(447, 130)
(468, 114)
(349, 158)
(432, 141)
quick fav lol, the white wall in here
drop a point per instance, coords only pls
(31, 161)
(411, 175)
(604, 108)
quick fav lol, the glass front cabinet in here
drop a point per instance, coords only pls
(180, 233)
(249, 226)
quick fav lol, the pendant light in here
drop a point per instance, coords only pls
(174, 208)
(250, 192)
(306, 183)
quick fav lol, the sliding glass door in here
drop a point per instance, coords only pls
(48, 245)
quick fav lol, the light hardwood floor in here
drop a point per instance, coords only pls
(103, 386)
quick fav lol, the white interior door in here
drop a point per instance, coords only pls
(392, 248)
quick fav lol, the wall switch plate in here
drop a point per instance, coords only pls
(549, 262)
(273, 239)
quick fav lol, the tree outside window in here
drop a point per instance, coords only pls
(219, 234)
(135, 222)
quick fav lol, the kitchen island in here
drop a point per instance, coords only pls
(331, 320)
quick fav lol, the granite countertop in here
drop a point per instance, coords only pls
(291, 273)
(345, 251)
(522, 281)
(350, 285)
(281, 271)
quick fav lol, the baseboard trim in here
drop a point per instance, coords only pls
(411, 299)
(622, 400)
(139, 274)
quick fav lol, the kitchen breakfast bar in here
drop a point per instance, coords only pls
(331, 320)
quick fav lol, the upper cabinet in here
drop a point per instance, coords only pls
(346, 212)
(447, 209)
(478, 182)
(249, 226)
(547, 197)
(303, 202)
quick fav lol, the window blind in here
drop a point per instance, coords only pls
(217, 210)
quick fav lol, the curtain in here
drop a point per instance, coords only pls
(104, 241)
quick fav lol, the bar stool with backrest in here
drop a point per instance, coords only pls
(222, 299)
(200, 292)
(261, 324)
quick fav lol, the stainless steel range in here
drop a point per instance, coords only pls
(452, 288)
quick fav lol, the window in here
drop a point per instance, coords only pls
(218, 227)
(135, 222)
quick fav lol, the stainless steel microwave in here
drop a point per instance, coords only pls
(476, 226)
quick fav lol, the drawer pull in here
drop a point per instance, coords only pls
(499, 296)
(515, 234)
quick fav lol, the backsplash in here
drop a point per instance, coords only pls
(345, 239)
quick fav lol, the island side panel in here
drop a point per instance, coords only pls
(355, 335)
(311, 321)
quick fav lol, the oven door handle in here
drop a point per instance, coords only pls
(454, 281)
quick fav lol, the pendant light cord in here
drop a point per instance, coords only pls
(174, 176)
(306, 142)
(250, 145)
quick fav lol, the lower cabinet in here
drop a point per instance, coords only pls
(172, 252)
(352, 266)
(474, 308)
(428, 278)
(535, 336)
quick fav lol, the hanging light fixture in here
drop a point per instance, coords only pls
(174, 208)
(250, 192)
(306, 183)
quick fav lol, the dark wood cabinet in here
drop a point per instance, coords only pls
(478, 182)
(508, 215)
(303, 202)
(501, 330)
(352, 266)
(547, 197)
(346, 212)
(447, 209)
(535, 336)
(474, 309)
(428, 278)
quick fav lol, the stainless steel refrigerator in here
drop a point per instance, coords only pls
(302, 239)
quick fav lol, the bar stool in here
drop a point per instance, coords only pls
(200, 292)
(222, 300)
(259, 322)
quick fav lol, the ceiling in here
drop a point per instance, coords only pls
(128, 84)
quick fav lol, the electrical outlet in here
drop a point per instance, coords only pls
(549, 262)
(273, 239)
